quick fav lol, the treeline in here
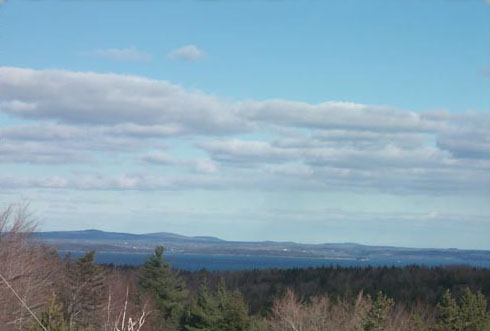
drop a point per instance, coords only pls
(39, 291)
(410, 285)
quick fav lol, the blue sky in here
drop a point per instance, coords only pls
(311, 121)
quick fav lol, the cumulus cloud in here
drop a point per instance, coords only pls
(92, 98)
(315, 164)
(61, 144)
(97, 99)
(122, 54)
(470, 144)
(186, 53)
(334, 145)
(336, 115)
(354, 139)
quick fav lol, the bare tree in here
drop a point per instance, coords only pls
(28, 271)
(320, 314)
(125, 309)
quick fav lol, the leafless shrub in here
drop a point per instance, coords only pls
(28, 271)
(125, 310)
(321, 314)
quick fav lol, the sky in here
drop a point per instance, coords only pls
(308, 121)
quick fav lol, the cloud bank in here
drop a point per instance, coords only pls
(85, 118)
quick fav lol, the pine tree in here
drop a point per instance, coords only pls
(469, 315)
(204, 313)
(378, 314)
(448, 313)
(235, 315)
(473, 314)
(223, 311)
(165, 286)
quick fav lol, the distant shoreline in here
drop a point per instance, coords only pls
(227, 262)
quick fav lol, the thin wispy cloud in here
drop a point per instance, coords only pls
(186, 53)
(122, 54)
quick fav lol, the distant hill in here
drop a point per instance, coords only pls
(175, 243)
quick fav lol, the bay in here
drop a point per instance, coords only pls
(193, 262)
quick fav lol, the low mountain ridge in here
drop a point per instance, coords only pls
(175, 243)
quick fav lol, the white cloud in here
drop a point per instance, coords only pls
(336, 115)
(98, 99)
(472, 144)
(110, 99)
(317, 164)
(333, 145)
(186, 53)
(58, 143)
(122, 54)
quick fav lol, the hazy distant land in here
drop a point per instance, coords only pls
(111, 242)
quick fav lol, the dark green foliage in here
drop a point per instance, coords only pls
(164, 285)
(473, 312)
(203, 313)
(378, 314)
(470, 314)
(410, 285)
(84, 292)
(447, 313)
(222, 311)
(51, 317)
(235, 316)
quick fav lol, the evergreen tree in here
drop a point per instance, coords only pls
(473, 314)
(448, 313)
(235, 315)
(378, 313)
(164, 285)
(204, 313)
(223, 311)
(469, 315)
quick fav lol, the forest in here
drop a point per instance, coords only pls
(41, 291)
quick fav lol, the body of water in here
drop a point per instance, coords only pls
(194, 262)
